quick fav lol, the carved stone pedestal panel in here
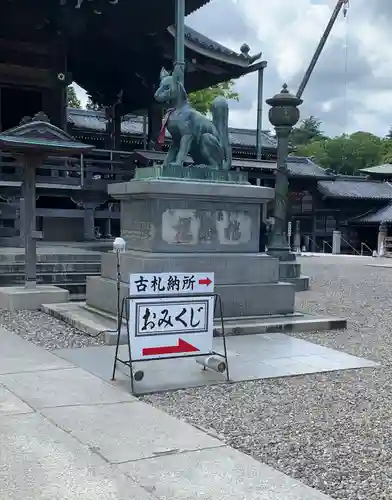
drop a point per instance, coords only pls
(176, 226)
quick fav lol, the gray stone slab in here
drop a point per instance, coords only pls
(238, 300)
(19, 297)
(62, 388)
(18, 355)
(204, 190)
(251, 357)
(216, 474)
(129, 431)
(11, 404)
(190, 217)
(39, 461)
(159, 375)
(93, 321)
(228, 268)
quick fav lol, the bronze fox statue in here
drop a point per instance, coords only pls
(205, 141)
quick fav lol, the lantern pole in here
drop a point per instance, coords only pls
(179, 65)
(283, 115)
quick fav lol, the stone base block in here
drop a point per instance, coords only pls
(300, 284)
(229, 269)
(18, 297)
(238, 300)
(290, 272)
(178, 217)
(92, 321)
(289, 269)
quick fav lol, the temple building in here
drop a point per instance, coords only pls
(115, 49)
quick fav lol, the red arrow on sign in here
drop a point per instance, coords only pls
(205, 281)
(180, 348)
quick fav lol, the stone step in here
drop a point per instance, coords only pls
(301, 284)
(238, 300)
(93, 321)
(46, 278)
(289, 269)
(10, 257)
(52, 268)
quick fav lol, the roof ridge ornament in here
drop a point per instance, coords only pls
(38, 117)
(245, 49)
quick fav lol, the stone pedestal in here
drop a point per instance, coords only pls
(336, 242)
(18, 297)
(190, 227)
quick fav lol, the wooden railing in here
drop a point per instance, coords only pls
(93, 170)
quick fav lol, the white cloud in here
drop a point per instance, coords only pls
(288, 33)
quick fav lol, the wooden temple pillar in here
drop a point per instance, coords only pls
(155, 117)
(55, 98)
(89, 220)
(113, 127)
(314, 193)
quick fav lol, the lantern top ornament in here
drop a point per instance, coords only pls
(284, 98)
(284, 110)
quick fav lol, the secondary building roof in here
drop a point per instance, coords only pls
(304, 167)
(298, 167)
(95, 122)
(375, 217)
(379, 170)
(356, 188)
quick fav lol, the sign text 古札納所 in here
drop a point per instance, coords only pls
(171, 283)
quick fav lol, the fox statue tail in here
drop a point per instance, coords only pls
(220, 118)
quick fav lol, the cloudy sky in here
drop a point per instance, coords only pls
(351, 87)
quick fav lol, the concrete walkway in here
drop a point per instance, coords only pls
(66, 434)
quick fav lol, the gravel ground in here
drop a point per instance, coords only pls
(45, 331)
(330, 430)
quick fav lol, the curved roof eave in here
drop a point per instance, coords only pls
(207, 47)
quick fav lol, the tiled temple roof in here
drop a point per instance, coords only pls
(356, 188)
(379, 169)
(376, 217)
(304, 167)
(207, 43)
(201, 43)
(94, 121)
(298, 167)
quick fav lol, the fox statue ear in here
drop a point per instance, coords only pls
(163, 73)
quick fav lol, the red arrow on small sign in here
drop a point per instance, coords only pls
(205, 281)
(180, 348)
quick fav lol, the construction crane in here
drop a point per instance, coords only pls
(342, 4)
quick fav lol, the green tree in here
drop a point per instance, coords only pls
(73, 101)
(389, 134)
(308, 130)
(202, 99)
(386, 150)
(345, 154)
(90, 104)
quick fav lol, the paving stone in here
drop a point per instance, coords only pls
(39, 461)
(129, 431)
(63, 387)
(11, 404)
(216, 474)
(20, 356)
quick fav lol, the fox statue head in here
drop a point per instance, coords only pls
(170, 90)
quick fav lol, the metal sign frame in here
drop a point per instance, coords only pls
(124, 315)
